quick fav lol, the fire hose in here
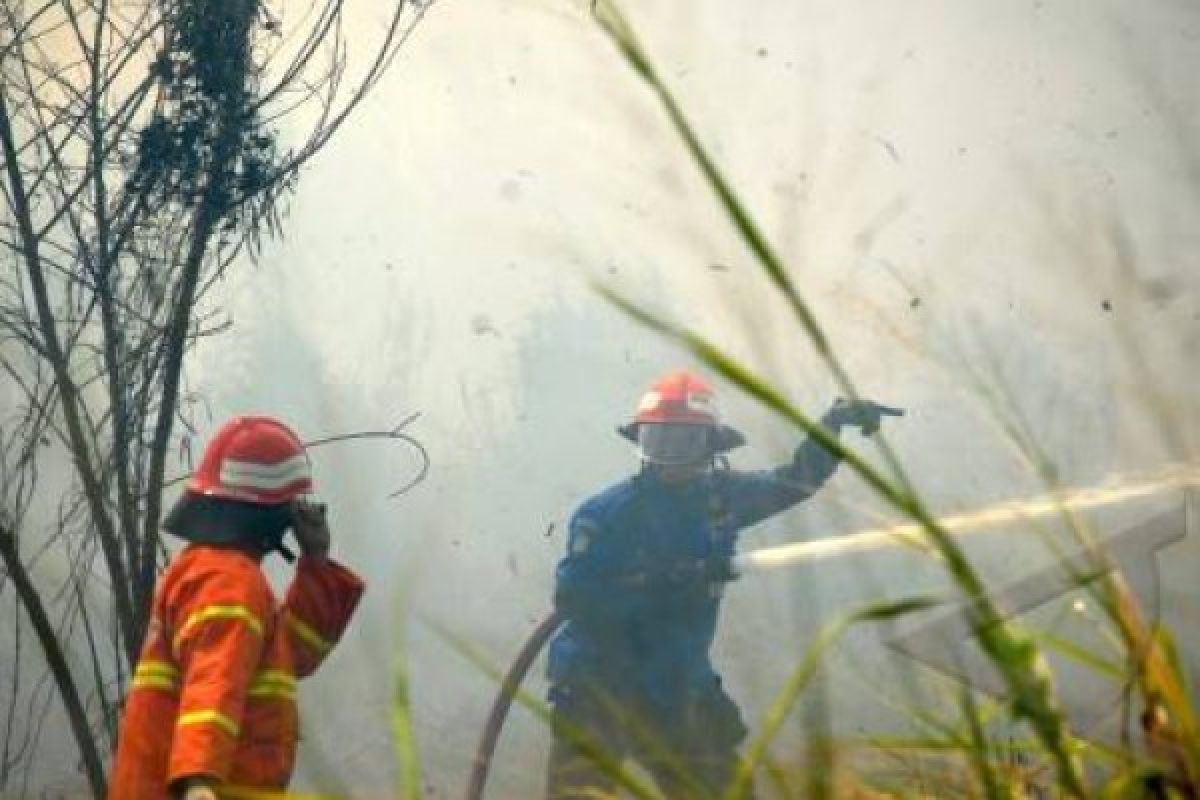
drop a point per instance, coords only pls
(508, 690)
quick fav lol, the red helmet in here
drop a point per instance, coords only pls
(681, 398)
(256, 460)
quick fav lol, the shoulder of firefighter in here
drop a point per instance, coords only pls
(213, 693)
(595, 513)
(596, 554)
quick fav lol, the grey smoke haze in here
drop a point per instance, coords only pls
(946, 180)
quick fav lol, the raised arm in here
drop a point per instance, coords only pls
(754, 496)
(323, 594)
(318, 607)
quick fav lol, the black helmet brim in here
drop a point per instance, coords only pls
(215, 520)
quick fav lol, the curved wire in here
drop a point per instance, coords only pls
(395, 434)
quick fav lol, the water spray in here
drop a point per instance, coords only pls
(1010, 512)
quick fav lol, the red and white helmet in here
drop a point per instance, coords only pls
(256, 460)
(677, 422)
(679, 397)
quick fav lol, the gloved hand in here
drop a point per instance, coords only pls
(311, 528)
(862, 414)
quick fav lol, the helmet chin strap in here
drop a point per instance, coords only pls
(285, 551)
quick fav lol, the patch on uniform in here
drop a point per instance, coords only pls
(582, 533)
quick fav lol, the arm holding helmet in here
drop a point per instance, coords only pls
(323, 594)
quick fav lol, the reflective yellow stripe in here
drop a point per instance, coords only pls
(154, 682)
(271, 690)
(218, 612)
(307, 635)
(275, 676)
(155, 675)
(273, 683)
(209, 715)
(160, 668)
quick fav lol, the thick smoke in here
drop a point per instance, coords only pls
(990, 206)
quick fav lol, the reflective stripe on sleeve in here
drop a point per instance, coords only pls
(155, 675)
(207, 716)
(161, 668)
(210, 613)
(307, 634)
(154, 682)
(273, 683)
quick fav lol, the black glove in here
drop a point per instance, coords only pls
(862, 414)
(311, 528)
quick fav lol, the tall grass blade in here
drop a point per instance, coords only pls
(979, 751)
(408, 758)
(786, 700)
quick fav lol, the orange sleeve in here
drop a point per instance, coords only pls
(318, 607)
(218, 625)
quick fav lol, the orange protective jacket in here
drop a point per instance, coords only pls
(214, 691)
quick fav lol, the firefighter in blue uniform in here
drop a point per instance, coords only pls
(640, 588)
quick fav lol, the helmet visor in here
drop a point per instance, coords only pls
(673, 443)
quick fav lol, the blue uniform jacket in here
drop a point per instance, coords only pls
(637, 626)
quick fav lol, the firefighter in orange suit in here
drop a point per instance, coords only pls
(212, 705)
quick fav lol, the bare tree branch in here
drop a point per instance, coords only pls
(140, 163)
(56, 661)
